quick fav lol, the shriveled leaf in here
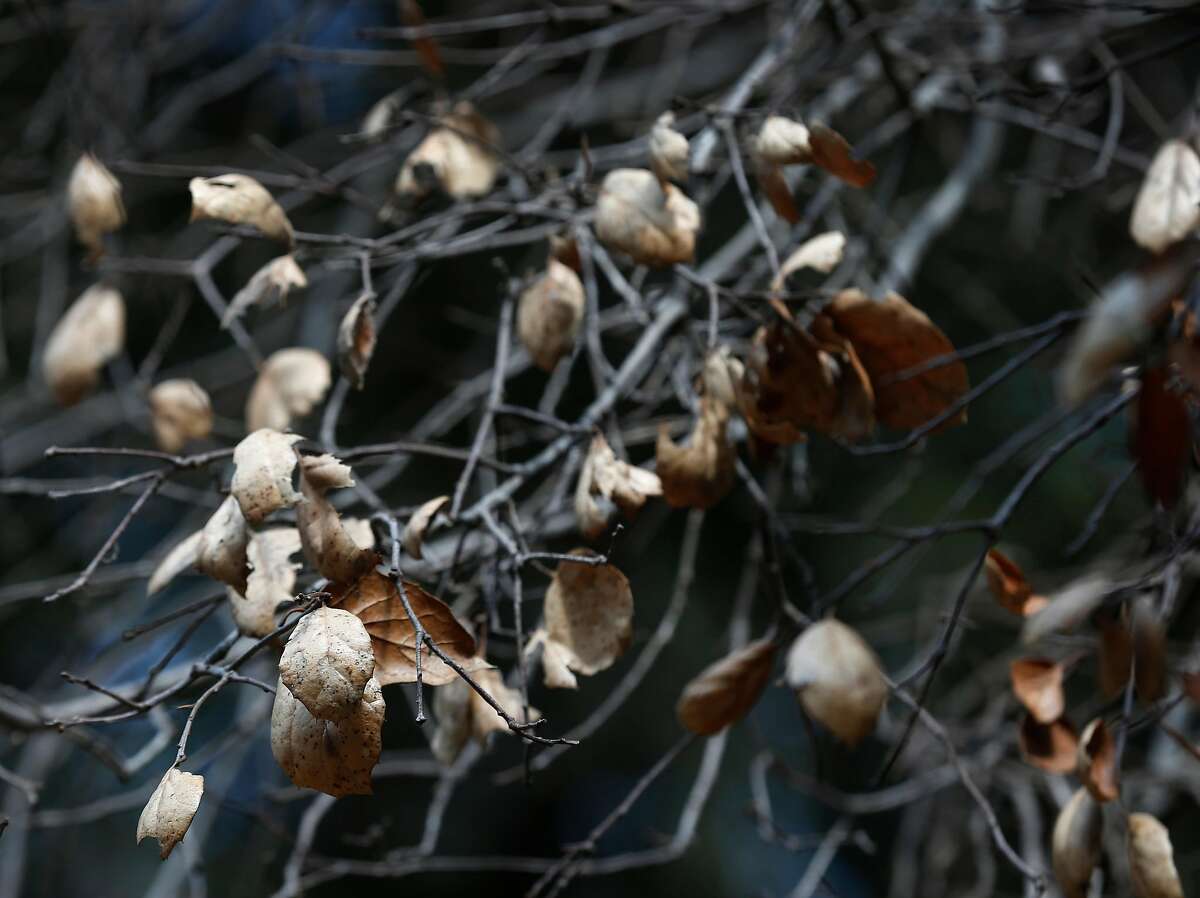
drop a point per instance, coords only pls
(891, 336)
(838, 679)
(94, 203)
(607, 483)
(426, 46)
(1152, 859)
(169, 812)
(854, 415)
(1096, 762)
(1076, 843)
(725, 691)
(722, 373)
(462, 714)
(549, 313)
(328, 545)
(181, 411)
(239, 199)
(652, 225)
(1050, 746)
(1007, 583)
(376, 601)
(327, 662)
(1162, 437)
(1067, 609)
(1037, 684)
(1167, 207)
(90, 334)
(418, 524)
(270, 284)
(181, 557)
(822, 253)
(668, 150)
(271, 582)
(773, 183)
(356, 340)
(381, 116)
(221, 553)
(700, 474)
(290, 383)
(789, 384)
(833, 153)
(782, 141)
(262, 476)
(458, 156)
(334, 758)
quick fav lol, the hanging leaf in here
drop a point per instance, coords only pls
(262, 475)
(418, 524)
(822, 253)
(181, 557)
(651, 224)
(328, 545)
(462, 714)
(1050, 746)
(290, 383)
(239, 199)
(700, 474)
(668, 150)
(782, 141)
(833, 153)
(356, 340)
(725, 691)
(1167, 208)
(272, 580)
(607, 483)
(1096, 762)
(327, 662)
(181, 411)
(94, 203)
(1076, 843)
(270, 284)
(1152, 859)
(90, 334)
(169, 812)
(1037, 684)
(549, 314)
(838, 679)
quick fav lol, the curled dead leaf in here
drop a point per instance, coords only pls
(262, 475)
(725, 691)
(180, 411)
(1007, 583)
(722, 373)
(221, 553)
(90, 334)
(838, 679)
(822, 253)
(651, 224)
(94, 203)
(1050, 746)
(549, 313)
(1037, 684)
(668, 150)
(1162, 437)
(1152, 859)
(1066, 610)
(1096, 762)
(327, 662)
(418, 524)
(782, 141)
(606, 483)
(457, 156)
(1076, 843)
(356, 340)
(181, 557)
(271, 582)
(169, 812)
(462, 713)
(1167, 207)
(833, 153)
(290, 383)
(700, 474)
(271, 283)
(788, 385)
(239, 199)
(328, 545)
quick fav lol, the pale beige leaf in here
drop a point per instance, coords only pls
(462, 713)
(606, 483)
(223, 543)
(635, 215)
(588, 612)
(94, 203)
(271, 283)
(1037, 684)
(262, 476)
(700, 474)
(668, 150)
(452, 713)
(549, 313)
(418, 524)
(180, 411)
(271, 582)
(356, 340)
(90, 334)
(327, 544)
(327, 662)
(722, 373)
(181, 557)
(239, 199)
(725, 691)
(1152, 859)
(169, 812)
(380, 116)
(1075, 844)
(782, 141)
(1096, 762)
(334, 758)
(1167, 208)
(838, 679)
(458, 155)
(822, 253)
(290, 383)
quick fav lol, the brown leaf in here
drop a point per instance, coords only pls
(271, 283)
(376, 601)
(700, 474)
(290, 383)
(356, 340)
(833, 153)
(271, 582)
(1152, 859)
(822, 253)
(1076, 843)
(327, 662)
(90, 334)
(668, 150)
(1114, 658)
(721, 376)
(328, 545)
(221, 552)
(891, 336)
(789, 385)
(838, 679)
(773, 183)
(414, 530)
(607, 483)
(1162, 437)
(457, 154)
(181, 411)
(1050, 746)
(1037, 684)
(335, 758)
(653, 226)
(1150, 653)
(1167, 208)
(426, 47)
(462, 713)
(94, 202)
(549, 314)
(1096, 762)
(725, 691)
(854, 416)
(239, 199)
(262, 475)
(169, 812)
(1009, 587)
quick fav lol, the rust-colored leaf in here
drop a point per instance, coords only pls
(1162, 437)
(1009, 587)
(1037, 684)
(426, 47)
(700, 474)
(725, 691)
(833, 153)
(1096, 762)
(1050, 746)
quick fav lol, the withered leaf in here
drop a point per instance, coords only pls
(1007, 583)
(221, 553)
(290, 383)
(262, 476)
(606, 483)
(1162, 437)
(822, 253)
(334, 758)
(700, 474)
(789, 384)
(668, 150)
(1050, 746)
(328, 545)
(169, 812)
(833, 153)
(1037, 684)
(1152, 859)
(181, 557)
(181, 411)
(457, 154)
(652, 225)
(462, 713)
(782, 141)
(1096, 762)
(725, 691)
(722, 373)
(1167, 207)
(239, 199)
(90, 334)
(94, 202)
(271, 582)
(327, 662)
(838, 679)
(549, 313)
(271, 283)
(1075, 845)
(418, 524)
(356, 340)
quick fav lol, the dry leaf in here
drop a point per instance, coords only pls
(833, 153)
(289, 384)
(356, 340)
(334, 758)
(380, 116)
(1151, 859)
(854, 416)
(700, 474)
(94, 202)
(1009, 587)
(1050, 746)
(271, 283)
(1037, 684)
(221, 553)
(721, 376)
(891, 336)
(271, 582)
(90, 334)
(1162, 437)
(725, 691)
(1075, 845)
(1114, 656)
(1096, 762)
(426, 46)
(418, 524)
(376, 601)
(181, 557)
(652, 226)
(782, 141)
(181, 411)
(587, 620)
(607, 483)
(1167, 208)
(822, 253)
(789, 385)
(549, 313)
(262, 475)
(773, 183)
(838, 679)
(668, 150)
(1150, 653)
(328, 545)
(169, 812)
(327, 662)
(457, 156)
(239, 199)
(462, 713)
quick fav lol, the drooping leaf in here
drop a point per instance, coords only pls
(1076, 843)
(651, 224)
(356, 340)
(327, 662)
(239, 199)
(549, 314)
(169, 812)
(668, 150)
(1152, 859)
(700, 474)
(90, 334)
(838, 679)
(725, 691)
(94, 202)
(262, 476)
(1050, 746)
(181, 411)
